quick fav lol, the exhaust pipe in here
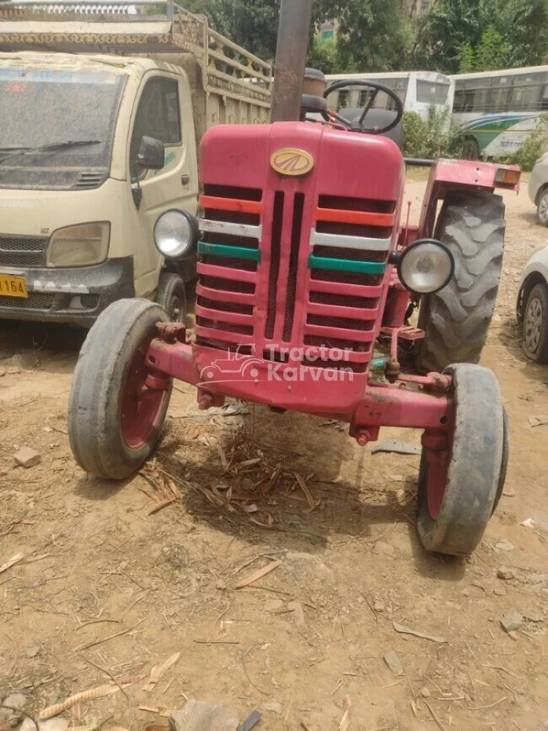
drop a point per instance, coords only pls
(293, 34)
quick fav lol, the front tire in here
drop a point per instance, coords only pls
(542, 208)
(456, 320)
(460, 489)
(535, 324)
(115, 419)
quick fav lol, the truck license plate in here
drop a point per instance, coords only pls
(12, 286)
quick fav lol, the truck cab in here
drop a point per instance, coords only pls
(78, 198)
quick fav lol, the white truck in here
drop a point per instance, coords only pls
(102, 109)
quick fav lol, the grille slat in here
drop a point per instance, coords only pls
(275, 257)
(35, 301)
(298, 211)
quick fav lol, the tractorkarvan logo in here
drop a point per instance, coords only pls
(279, 368)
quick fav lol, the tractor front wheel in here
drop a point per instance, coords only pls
(456, 319)
(115, 416)
(459, 488)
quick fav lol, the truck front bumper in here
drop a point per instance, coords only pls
(76, 296)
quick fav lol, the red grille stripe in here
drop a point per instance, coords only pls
(242, 298)
(321, 331)
(386, 220)
(209, 333)
(354, 313)
(355, 290)
(231, 204)
(215, 271)
(222, 315)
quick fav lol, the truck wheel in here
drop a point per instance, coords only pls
(456, 319)
(535, 324)
(542, 208)
(470, 149)
(460, 489)
(115, 419)
(171, 295)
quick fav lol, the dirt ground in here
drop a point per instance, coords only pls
(107, 590)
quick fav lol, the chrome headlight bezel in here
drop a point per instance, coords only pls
(188, 233)
(411, 251)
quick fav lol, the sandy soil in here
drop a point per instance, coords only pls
(311, 633)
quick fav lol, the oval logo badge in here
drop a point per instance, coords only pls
(291, 161)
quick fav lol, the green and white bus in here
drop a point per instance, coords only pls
(495, 111)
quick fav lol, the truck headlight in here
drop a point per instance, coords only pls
(81, 245)
(176, 234)
(425, 267)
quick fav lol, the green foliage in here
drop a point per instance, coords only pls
(430, 138)
(481, 35)
(534, 147)
(323, 56)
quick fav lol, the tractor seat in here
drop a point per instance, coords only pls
(376, 117)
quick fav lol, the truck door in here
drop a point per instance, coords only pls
(160, 113)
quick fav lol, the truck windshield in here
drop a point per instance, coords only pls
(46, 116)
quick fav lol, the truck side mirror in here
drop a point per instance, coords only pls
(151, 154)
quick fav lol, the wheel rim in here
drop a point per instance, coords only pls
(533, 325)
(141, 406)
(175, 312)
(543, 209)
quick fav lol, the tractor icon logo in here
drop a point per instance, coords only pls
(291, 161)
(238, 367)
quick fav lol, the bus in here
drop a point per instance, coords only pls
(495, 111)
(418, 90)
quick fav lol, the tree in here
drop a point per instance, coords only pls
(470, 35)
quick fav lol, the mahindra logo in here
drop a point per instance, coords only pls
(291, 161)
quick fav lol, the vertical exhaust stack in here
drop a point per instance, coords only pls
(293, 33)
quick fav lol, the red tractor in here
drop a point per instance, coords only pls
(305, 269)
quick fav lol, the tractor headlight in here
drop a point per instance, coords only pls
(176, 234)
(77, 246)
(425, 267)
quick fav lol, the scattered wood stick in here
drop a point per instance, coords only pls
(258, 574)
(305, 725)
(491, 705)
(304, 487)
(435, 717)
(423, 636)
(345, 720)
(215, 642)
(88, 695)
(12, 561)
(110, 637)
(97, 621)
(165, 712)
(159, 671)
(106, 672)
(161, 505)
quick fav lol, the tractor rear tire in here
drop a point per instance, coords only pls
(458, 496)
(456, 319)
(114, 419)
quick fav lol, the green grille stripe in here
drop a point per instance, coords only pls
(233, 252)
(346, 265)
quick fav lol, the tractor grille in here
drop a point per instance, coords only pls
(228, 266)
(22, 251)
(278, 273)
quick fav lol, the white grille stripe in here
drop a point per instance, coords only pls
(231, 229)
(349, 242)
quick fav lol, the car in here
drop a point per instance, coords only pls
(538, 188)
(532, 304)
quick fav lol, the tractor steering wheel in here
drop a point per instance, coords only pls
(358, 125)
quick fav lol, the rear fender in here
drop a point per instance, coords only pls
(450, 175)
